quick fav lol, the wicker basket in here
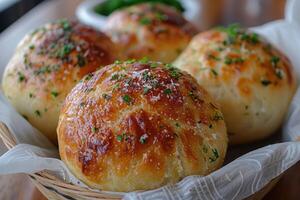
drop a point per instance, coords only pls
(56, 189)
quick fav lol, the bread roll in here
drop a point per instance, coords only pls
(137, 126)
(150, 30)
(253, 81)
(47, 64)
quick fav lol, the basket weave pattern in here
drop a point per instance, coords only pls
(51, 186)
(55, 189)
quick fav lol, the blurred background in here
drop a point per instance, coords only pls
(213, 12)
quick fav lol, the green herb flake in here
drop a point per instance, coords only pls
(80, 60)
(88, 76)
(167, 91)
(279, 73)
(265, 82)
(31, 95)
(160, 16)
(115, 77)
(127, 99)
(143, 139)
(275, 60)
(38, 113)
(146, 90)
(119, 138)
(54, 94)
(21, 76)
(31, 47)
(215, 155)
(153, 65)
(214, 72)
(177, 125)
(229, 61)
(64, 51)
(145, 21)
(210, 126)
(211, 56)
(144, 60)
(106, 96)
(217, 116)
(117, 62)
(94, 129)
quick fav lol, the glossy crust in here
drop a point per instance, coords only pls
(150, 30)
(47, 64)
(137, 126)
(253, 81)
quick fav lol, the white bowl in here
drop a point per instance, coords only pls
(86, 14)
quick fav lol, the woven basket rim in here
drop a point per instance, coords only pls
(51, 182)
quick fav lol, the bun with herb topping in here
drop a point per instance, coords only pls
(138, 126)
(47, 64)
(151, 30)
(253, 81)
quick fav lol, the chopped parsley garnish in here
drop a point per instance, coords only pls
(143, 139)
(211, 56)
(43, 70)
(265, 82)
(54, 94)
(80, 60)
(229, 61)
(167, 91)
(21, 76)
(217, 116)
(114, 77)
(174, 72)
(210, 126)
(129, 61)
(177, 125)
(144, 60)
(153, 65)
(31, 95)
(88, 76)
(161, 16)
(106, 96)
(117, 62)
(145, 21)
(214, 72)
(279, 73)
(94, 129)
(64, 51)
(193, 95)
(275, 60)
(121, 137)
(37, 113)
(127, 99)
(146, 90)
(65, 24)
(31, 47)
(235, 32)
(215, 155)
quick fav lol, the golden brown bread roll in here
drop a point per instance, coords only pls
(150, 30)
(137, 126)
(253, 81)
(47, 64)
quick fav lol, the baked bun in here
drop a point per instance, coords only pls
(137, 126)
(47, 64)
(252, 80)
(150, 30)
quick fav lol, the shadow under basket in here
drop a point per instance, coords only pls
(56, 189)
